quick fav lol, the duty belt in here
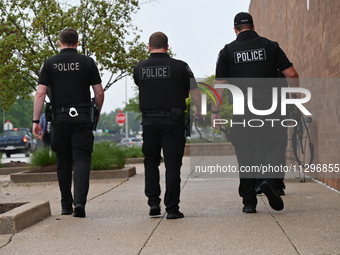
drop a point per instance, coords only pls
(72, 111)
(157, 114)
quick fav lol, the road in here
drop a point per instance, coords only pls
(15, 157)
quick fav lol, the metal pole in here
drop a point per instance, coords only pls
(126, 113)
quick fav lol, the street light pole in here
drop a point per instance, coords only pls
(126, 113)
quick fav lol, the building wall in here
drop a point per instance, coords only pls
(311, 39)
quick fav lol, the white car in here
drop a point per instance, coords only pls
(130, 142)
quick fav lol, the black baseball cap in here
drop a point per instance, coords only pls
(243, 18)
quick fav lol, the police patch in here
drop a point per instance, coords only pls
(154, 72)
(250, 55)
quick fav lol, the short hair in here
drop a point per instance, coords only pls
(158, 40)
(244, 26)
(69, 36)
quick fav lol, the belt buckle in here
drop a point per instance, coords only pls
(73, 112)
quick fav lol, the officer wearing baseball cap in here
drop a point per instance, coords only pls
(254, 61)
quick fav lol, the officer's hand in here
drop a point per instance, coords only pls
(199, 117)
(215, 116)
(37, 131)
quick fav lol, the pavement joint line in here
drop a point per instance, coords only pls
(8, 242)
(278, 223)
(151, 234)
(107, 191)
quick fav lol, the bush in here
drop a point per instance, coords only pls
(43, 157)
(107, 155)
(133, 152)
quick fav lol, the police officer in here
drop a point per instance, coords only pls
(69, 76)
(245, 63)
(163, 84)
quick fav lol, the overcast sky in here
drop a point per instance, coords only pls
(197, 30)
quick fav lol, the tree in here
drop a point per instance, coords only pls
(29, 32)
(20, 114)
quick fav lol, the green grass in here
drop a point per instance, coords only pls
(133, 152)
(43, 157)
(107, 155)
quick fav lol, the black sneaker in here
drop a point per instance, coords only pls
(155, 210)
(248, 209)
(79, 211)
(275, 201)
(172, 216)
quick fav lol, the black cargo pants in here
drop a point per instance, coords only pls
(72, 141)
(163, 133)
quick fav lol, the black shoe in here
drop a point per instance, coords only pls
(258, 190)
(66, 211)
(172, 216)
(275, 201)
(155, 210)
(281, 192)
(79, 211)
(248, 209)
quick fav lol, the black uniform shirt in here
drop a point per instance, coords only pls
(163, 82)
(251, 56)
(70, 75)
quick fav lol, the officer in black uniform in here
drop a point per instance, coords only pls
(163, 84)
(250, 61)
(69, 76)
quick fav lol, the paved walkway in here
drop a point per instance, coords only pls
(117, 220)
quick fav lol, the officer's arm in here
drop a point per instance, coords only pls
(292, 78)
(216, 107)
(98, 95)
(38, 106)
(196, 98)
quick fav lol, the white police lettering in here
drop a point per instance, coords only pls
(154, 72)
(250, 55)
(64, 67)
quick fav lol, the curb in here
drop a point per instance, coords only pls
(125, 172)
(24, 216)
(12, 170)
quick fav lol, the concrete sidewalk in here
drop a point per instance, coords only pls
(117, 220)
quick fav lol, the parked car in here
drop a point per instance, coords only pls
(17, 140)
(129, 142)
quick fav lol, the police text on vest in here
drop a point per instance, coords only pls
(64, 67)
(154, 72)
(250, 56)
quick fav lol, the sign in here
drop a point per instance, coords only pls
(121, 118)
(8, 125)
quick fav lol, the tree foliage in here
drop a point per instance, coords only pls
(20, 114)
(29, 31)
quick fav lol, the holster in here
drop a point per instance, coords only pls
(48, 112)
(94, 114)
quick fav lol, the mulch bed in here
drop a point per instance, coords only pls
(14, 164)
(9, 206)
(44, 169)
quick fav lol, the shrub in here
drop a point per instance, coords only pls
(107, 155)
(43, 157)
(133, 152)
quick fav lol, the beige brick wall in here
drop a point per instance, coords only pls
(311, 40)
